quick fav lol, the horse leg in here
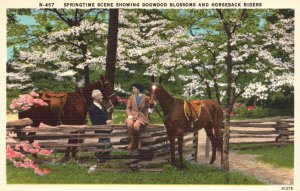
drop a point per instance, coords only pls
(71, 149)
(211, 136)
(180, 151)
(75, 149)
(172, 149)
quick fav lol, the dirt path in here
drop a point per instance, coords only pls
(247, 164)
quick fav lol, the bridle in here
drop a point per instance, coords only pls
(102, 87)
(110, 96)
(166, 117)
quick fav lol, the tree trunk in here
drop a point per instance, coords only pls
(111, 54)
(226, 136)
(254, 100)
(209, 95)
(86, 76)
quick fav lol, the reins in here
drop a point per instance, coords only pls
(169, 114)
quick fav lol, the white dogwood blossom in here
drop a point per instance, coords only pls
(63, 55)
(149, 41)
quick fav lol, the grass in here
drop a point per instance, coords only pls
(74, 173)
(277, 156)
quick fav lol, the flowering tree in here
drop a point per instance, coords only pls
(146, 44)
(65, 53)
(237, 54)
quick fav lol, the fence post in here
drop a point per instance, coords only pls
(19, 123)
(281, 128)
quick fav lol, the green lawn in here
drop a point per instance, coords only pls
(277, 156)
(76, 174)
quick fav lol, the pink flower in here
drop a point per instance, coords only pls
(36, 145)
(26, 101)
(13, 105)
(25, 162)
(25, 165)
(34, 94)
(25, 146)
(250, 108)
(45, 152)
(17, 164)
(10, 153)
(41, 172)
(17, 147)
(122, 100)
(33, 151)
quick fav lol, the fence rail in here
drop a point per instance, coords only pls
(261, 133)
(243, 135)
(155, 142)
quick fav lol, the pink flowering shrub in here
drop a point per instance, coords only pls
(122, 100)
(250, 108)
(26, 101)
(225, 111)
(237, 105)
(20, 160)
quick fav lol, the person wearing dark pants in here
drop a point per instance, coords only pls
(99, 115)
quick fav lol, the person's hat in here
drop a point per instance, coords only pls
(138, 86)
(95, 93)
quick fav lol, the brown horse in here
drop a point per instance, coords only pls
(75, 108)
(176, 122)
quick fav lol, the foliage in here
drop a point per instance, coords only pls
(66, 45)
(277, 156)
(220, 54)
(259, 112)
(19, 160)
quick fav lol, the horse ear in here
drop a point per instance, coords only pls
(152, 79)
(160, 79)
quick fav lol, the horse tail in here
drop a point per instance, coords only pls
(219, 127)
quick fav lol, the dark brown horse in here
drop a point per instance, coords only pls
(176, 122)
(75, 108)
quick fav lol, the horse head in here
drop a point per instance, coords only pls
(155, 88)
(104, 86)
(108, 92)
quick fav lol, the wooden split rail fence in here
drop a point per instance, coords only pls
(243, 135)
(261, 133)
(155, 144)
(253, 134)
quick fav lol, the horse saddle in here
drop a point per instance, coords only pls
(192, 110)
(56, 101)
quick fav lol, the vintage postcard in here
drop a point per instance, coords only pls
(142, 95)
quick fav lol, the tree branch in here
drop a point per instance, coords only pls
(241, 17)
